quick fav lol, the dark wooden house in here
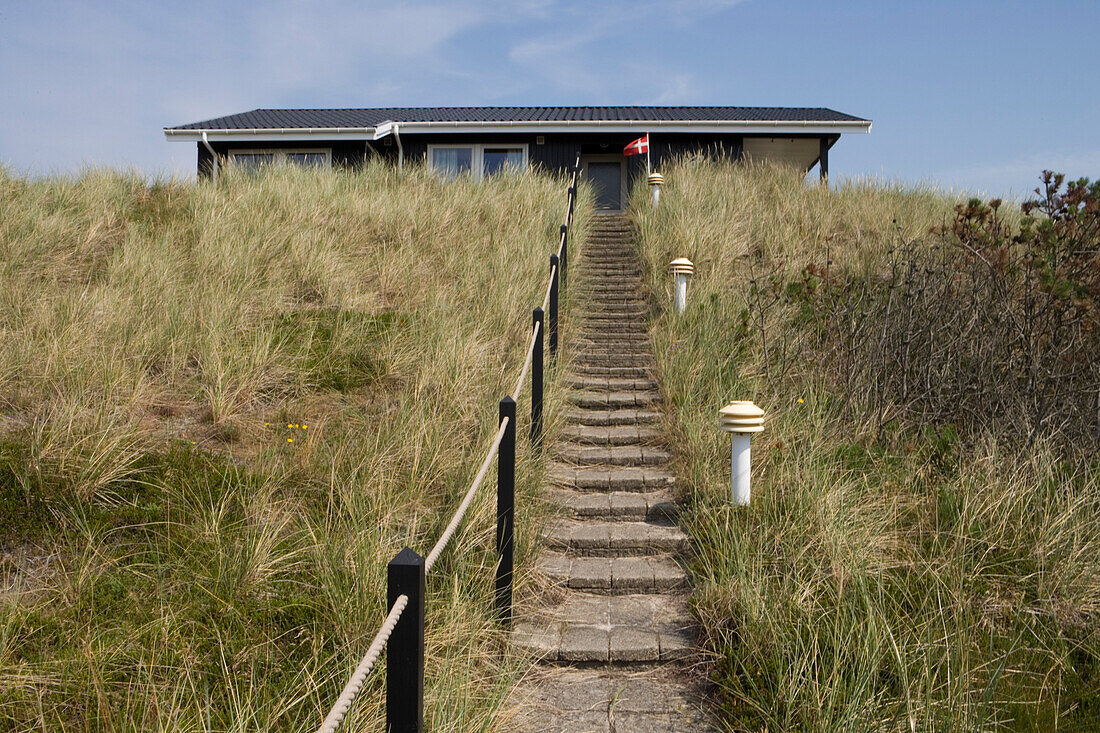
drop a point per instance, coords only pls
(479, 141)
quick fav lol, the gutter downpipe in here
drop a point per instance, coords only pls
(214, 170)
(400, 150)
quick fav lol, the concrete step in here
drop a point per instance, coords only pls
(611, 259)
(635, 337)
(605, 400)
(613, 337)
(591, 537)
(617, 347)
(612, 269)
(632, 506)
(593, 383)
(598, 359)
(635, 329)
(605, 478)
(586, 628)
(599, 371)
(611, 284)
(617, 299)
(627, 416)
(615, 294)
(613, 455)
(638, 308)
(601, 320)
(616, 355)
(628, 324)
(618, 330)
(611, 435)
(598, 284)
(614, 575)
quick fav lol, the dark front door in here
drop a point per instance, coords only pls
(606, 177)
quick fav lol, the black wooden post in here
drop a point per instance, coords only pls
(405, 649)
(537, 321)
(564, 251)
(572, 198)
(554, 305)
(823, 160)
(506, 503)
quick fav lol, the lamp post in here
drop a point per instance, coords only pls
(742, 418)
(682, 269)
(655, 181)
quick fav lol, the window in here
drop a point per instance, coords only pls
(452, 162)
(308, 160)
(495, 160)
(477, 161)
(253, 160)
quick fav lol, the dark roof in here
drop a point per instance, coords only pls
(291, 118)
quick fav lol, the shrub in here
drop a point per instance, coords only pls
(991, 326)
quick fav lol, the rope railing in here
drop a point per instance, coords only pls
(407, 572)
(549, 288)
(351, 689)
(536, 331)
(444, 538)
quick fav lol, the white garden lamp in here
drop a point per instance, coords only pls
(682, 269)
(655, 181)
(742, 418)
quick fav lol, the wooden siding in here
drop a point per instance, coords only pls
(345, 153)
(557, 152)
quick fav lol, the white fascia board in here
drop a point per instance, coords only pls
(763, 127)
(272, 134)
(756, 127)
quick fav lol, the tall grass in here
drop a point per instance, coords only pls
(223, 408)
(904, 577)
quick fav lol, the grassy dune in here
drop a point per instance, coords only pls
(223, 409)
(889, 575)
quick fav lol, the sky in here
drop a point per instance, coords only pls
(974, 95)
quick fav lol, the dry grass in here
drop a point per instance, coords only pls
(223, 409)
(897, 579)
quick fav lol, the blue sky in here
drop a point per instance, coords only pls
(977, 95)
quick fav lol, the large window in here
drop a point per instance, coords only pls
(476, 160)
(253, 160)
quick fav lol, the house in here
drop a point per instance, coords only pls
(479, 141)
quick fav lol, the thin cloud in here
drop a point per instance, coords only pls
(1019, 176)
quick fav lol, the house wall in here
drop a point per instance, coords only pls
(802, 152)
(557, 151)
(345, 153)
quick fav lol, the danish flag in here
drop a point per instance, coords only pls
(641, 145)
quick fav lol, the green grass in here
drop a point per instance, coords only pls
(223, 409)
(888, 576)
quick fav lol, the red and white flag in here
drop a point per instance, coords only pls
(641, 145)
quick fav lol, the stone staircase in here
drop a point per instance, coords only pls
(610, 633)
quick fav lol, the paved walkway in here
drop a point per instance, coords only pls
(613, 629)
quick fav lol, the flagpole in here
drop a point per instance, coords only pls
(648, 170)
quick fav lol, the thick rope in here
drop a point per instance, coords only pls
(340, 709)
(441, 545)
(527, 361)
(549, 286)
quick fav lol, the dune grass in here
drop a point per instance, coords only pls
(888, 575)
(223, 409)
